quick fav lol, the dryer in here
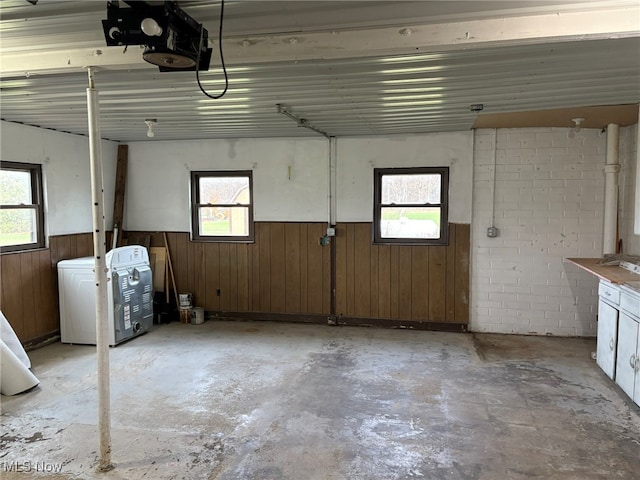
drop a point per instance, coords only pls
(129, 293)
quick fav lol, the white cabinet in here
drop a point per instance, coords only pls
(628, 364)
(628, 351)
(607, 338)
(618, 351)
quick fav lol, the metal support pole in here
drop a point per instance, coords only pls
(100, 270)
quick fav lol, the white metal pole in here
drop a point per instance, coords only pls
(611, 170)
(99, 251)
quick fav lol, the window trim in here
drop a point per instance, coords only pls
(37, 197)
(378, 173)
(195, 206)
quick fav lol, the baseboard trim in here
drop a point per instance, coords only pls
(345, 321)
(42, 341)
(408, 324)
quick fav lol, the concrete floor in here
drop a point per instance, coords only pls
(236, 400)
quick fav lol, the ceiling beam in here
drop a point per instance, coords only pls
(412, 39)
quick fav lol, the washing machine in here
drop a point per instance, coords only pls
(129, 293)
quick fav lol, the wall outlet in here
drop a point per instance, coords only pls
(331, 232)
(492, 232)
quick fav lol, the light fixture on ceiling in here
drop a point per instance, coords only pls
(151, 123)
(577, 121)
(150, 27)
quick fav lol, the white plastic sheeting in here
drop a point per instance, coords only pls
(15, 376)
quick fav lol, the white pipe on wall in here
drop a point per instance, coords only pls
(100, 271)
(611, 170)
(636, 228)
(332, 180)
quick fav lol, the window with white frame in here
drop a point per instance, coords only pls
(21, 207)
(411, 205)
(222, 206)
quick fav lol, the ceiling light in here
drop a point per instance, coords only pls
(578, 121)
(150, 27)
(151, 123)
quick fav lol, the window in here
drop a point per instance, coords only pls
(411, 205)
(222, 206)
(21, 207)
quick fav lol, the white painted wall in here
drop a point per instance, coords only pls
(157, 196)
(66, 171)
(628, 187)
(549, 206)
(158, 177)
(357, 157)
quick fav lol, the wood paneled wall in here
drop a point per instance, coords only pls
(29, 293)
(286, 270)
(421, 283)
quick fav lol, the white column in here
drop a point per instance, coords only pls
(100, 269)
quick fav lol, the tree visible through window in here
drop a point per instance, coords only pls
(21, 207)
(411, 205)
(222, 207)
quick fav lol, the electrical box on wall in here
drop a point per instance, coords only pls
(492, 232)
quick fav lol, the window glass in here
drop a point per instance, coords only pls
(410, 222)
(411, 205)
(16, 187)
(221, 206)
(21, 207)
(407, 189)
(225, 190)
(18, 227)
(224, 221)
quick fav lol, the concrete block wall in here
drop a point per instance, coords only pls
(627, 186)
(549, 189)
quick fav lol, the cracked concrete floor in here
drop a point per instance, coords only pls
(245, 400)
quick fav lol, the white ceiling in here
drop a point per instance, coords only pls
(347, 67)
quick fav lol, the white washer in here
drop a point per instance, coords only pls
(129, 293)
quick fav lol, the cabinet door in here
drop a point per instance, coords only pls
(627, 350)
(636, 396)
(607, 338)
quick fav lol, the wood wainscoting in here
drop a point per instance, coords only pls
(286, 271)
(29, 297)
(413, 284)
(286, 274)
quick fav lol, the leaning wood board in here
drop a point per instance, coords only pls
(611, 273)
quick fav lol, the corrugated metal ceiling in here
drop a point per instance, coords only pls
(401, 93)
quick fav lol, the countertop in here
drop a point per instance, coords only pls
(611, 273)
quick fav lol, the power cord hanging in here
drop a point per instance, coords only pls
(224, 68)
